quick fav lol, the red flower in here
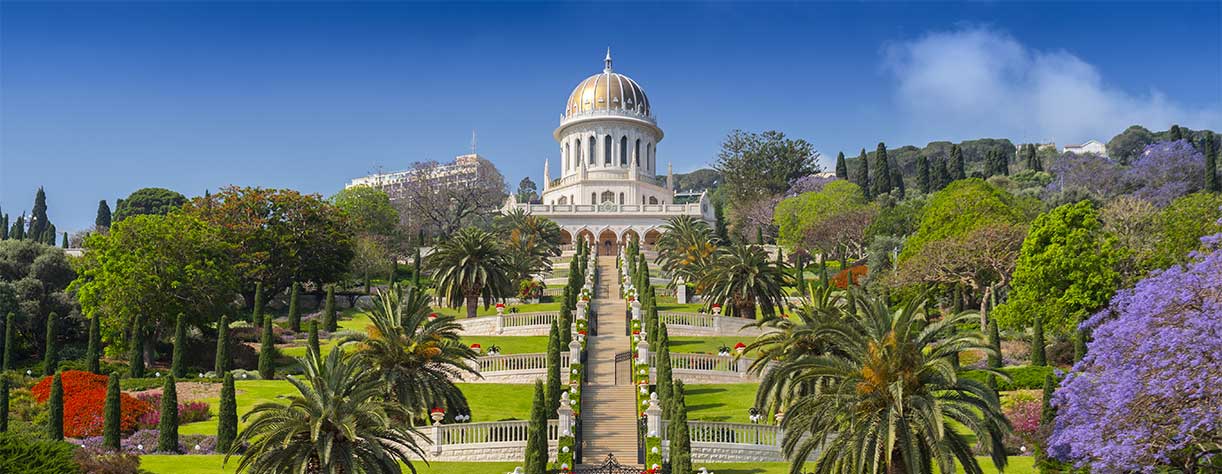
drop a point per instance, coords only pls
(432, 315)
(740, 346)
(500, 305)
(84, 398)
(437, 410)
(636, 332)
(476, 346)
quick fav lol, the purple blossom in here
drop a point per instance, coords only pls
(145, 442)
(1147, 391)
(1095, 174)
(1165, 171)
(808, 184)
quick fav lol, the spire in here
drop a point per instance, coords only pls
(607, 61)
(547, 174)
(670, 176)
(473, 141)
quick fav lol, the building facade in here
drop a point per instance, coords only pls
(464, 169)
(1091, 146)
(609, 190)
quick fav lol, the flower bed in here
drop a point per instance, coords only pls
(84, 400)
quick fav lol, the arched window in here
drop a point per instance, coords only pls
(621, 199)
(608, 196)
(592, 144)
(568, 161)
(653, 200)
(623, 152)
(564, 199)
(636, 152)
(593, 198)
(607, 149)
(577, 157)
(649, 156)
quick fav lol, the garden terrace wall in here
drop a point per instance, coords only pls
(517, 368)
(705, 368)
(499, 441)
(704, 324)
(732, 442)
(510, 324)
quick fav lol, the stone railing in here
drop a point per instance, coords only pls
(536, 361)
(545, 318)
(732, 442)
(628, 209)
(512, 324)
(503, 441)
(704, 324)
(705, 368)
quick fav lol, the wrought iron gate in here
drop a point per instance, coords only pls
(610, 465)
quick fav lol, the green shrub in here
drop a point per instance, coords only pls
(103, 461)
(28, 455)
(1025, 377)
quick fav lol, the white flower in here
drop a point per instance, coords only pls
(564, 449)
(654, 450)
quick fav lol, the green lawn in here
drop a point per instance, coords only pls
(705, 345)
(211, 464)
(720, 402)
(510, 344)
(491, 310)
(489, 402)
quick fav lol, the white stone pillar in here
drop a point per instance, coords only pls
(636, 309)
(653, 417)
(565, 415)
(581, 310)
(681, 291)
(642, 350)
(574, 352)
(500, 322)
(743, 366)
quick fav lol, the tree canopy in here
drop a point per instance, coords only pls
(159, 201)
(368, 209)
(964, 206)
(831, 221)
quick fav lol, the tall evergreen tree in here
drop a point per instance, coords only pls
(3, 226)
(38, 217)
(958, 169)
(680, 436)
(1212, 156)
(1047, 411)
(552, 395)
(719, 215)
(842, 167)
(178, 364)
(294, 309)
(93, 351)
(882, 172)
(312, 341)
(329, 321)
(666, 380)
(995, 343)
(65, 241)
(923, 178)
(536, 434)
(227, 416)
(10, 335)
(897, 181)
(48, 236)
(1079, 344)
(167, 425)
(55, 410)
(267, 351)
(1172, 135)
(102, 220)
(1038, 356)
(256, 315)
(111, 414)
(18, 230)
(50, 355)
(222, 347)
(942, 177)
(136, 354)
(417, 266)
(863, 174)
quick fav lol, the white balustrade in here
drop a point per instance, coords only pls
(709, 362)
(531, 361)
(543, 318)
(489, 432)
(701, 320)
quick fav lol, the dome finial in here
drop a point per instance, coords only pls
(607, 61)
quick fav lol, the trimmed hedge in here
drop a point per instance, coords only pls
(28, 455)
(1024, 377)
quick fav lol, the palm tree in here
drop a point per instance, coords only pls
(531, 241)
(339, 422)
(469, 266)
(741, 277)
(685, 247)
(789, 338)
(887, 397)
(417, 357)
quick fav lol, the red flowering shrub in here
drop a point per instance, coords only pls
(84, 399)
(841, 280)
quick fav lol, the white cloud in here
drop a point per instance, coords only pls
(981, 83)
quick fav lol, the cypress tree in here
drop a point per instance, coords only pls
(1047, 412)
(552, 396)
(3, 226)
(680, 436)
(566, 327)
(882, 171)
(536, 435)
(863, 174)
(313, 339)
(329, 322)
(1079, 344)
(294, 309)
(167, 426)
(1038, 356)
(922, 179)
(93, 352)
(222, 346)
(50, 359)
(719, 215)
(111, 414)
(9, 336)
(227, 416)
(801, 274)
(18, 232)
(65, 243)
(1172, 135)
(55, 410)
(256, 315)
(995, 343)
(842, 168)
(267, 350)
(416, 266)
(136, 360)
(102, 220)
(38, 217)
(958, 170)
(178, 365)
(665, 377)
(897, 181)
(1212, 156)
(3, 404)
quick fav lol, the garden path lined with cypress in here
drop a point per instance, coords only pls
(608, 411)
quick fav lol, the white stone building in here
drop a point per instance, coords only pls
(464, 169)
(608, 189)
(1091, 146)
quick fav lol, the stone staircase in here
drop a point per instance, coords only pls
(608, 409)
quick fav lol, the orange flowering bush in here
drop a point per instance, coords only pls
(84, 399)
(841, 280)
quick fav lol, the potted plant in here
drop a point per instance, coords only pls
(739, 348)
(477, 348)
(494, 350)
(723, 351)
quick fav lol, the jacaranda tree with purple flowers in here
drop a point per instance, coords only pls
(1164, 171)
(1146, 395)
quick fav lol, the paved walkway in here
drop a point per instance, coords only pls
(609, 414)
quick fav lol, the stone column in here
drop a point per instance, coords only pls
(636, 309)
(437, 417)
(642, 351)
(653, 417)
(581, 309)
(500, 321)
(574, 352)
(565, 414)
(743, 366)
(681, 291)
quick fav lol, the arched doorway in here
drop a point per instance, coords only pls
(565, 238)
(630, 236)
(651, 237)
(608, 242)
(587, 236)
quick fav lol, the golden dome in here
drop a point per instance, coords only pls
(608, 91)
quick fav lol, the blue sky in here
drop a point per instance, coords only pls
(100, 99)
